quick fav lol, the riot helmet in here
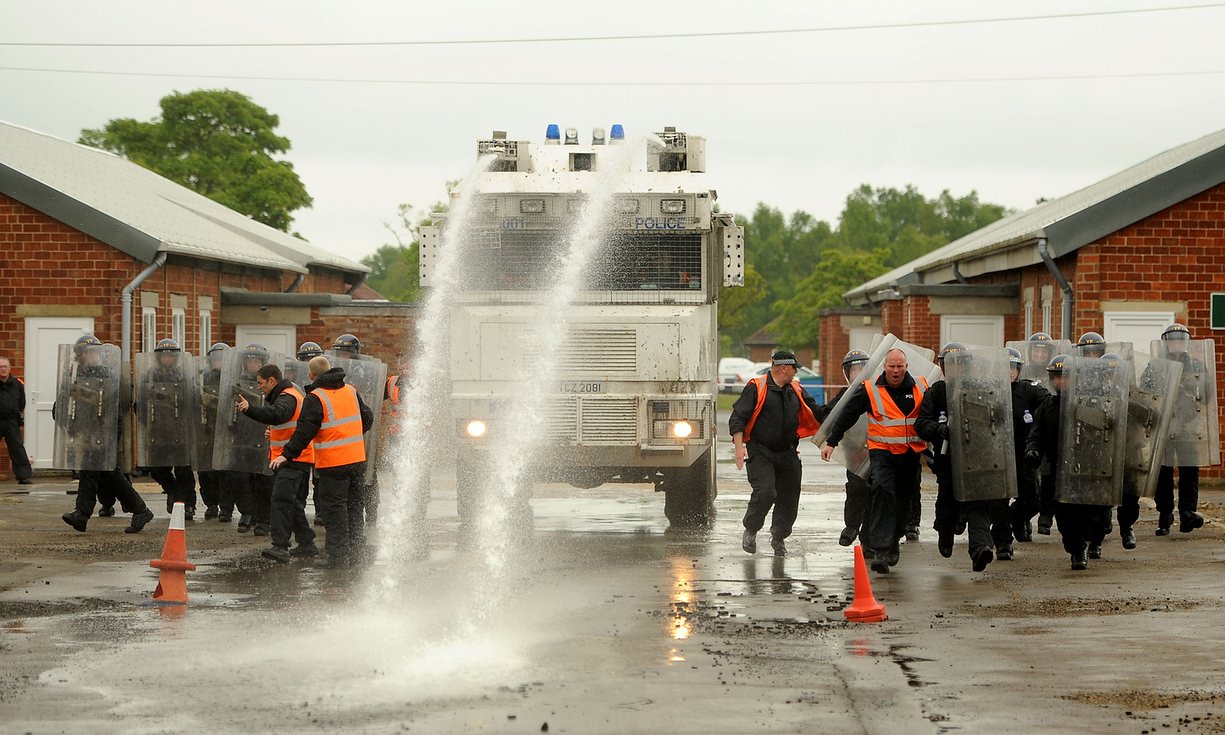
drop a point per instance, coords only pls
(86, 346)
(854, 361)
(1040, 337)
(308, 350)
(167, 351)
(1058, 365)
(1091, 344)
(347, 344)
(254, 356)
(1176, 332)
(1015, 359)
(1110, 357)
(216, 355)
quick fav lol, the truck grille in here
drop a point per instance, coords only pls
(600, 350)
(605, 421)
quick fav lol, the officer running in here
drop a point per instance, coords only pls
(858, 494)
(768, 420)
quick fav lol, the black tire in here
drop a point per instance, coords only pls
(690, 492)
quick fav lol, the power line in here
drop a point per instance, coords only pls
(655, 83)
(627, 37)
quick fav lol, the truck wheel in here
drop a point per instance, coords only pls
(470, 481)
(690, 492)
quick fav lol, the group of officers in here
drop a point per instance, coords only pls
(254, 426)
(1064, 433)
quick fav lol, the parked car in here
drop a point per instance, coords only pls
(730, 371)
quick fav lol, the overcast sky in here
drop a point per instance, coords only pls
(1065, 101)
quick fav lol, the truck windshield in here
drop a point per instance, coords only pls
(525, 260)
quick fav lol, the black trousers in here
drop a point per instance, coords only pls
(289, 488)
(915, 516)
(1129, 511)
(235, 490)
(1026, 505)
(178, 483)
(1188, 490)
(210, 487)
(91, 481)
(988, 524)
(948, 508)
(339, 498)
(894, 479)
(261, 499)
(10, 432)
(858, 500)
(1046, 495)
(775, 479)
(1081, 524)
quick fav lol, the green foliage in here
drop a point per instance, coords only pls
(395, 269)
(218, 143)
(735, 302)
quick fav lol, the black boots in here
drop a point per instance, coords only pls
(1128, 537)
(139, 520)
(1164, 521)
(76, 519)
(1188, 522)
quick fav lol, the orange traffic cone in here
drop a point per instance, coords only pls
(172, 582)
(865, 608)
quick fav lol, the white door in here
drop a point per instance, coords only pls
(974, 331)
(1137, 327)
(44, 335)
(276, 338)
(861, 338)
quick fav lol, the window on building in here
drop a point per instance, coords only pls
(1029, 318)
(178, 327)
(206, 331)
(148, 328)
(1046, 317)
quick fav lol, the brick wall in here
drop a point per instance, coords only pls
(835, 343)
(385, 330)
(921, 326)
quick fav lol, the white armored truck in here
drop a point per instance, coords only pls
(633, 398)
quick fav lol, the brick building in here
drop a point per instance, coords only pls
(90, 242)
(1125, 256)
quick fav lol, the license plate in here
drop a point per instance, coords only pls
(581, 387)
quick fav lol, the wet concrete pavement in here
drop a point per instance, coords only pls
(606, 621)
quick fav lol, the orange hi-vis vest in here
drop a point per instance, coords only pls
(888, 427)
(279, 435)
(808, 422)
(339, 441)
(393, 391)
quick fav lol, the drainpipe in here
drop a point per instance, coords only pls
(354, 287)
(957, 273)
(296, 283)
(125, 301)
(1069, 299)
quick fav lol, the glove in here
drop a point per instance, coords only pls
(1033, 459)
(944, 431)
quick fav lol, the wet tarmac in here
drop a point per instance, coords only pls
(607, 622)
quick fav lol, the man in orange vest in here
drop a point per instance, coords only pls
(892, 404)
(334, 418)
(768, 420)
(12, 420)
(282, 405)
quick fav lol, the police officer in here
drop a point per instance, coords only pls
(892, 404)
(177, 482)
(308, 351)
(252, 490)
(88, 423)
(347, 347)
(1026, 397)
(12, 420)
(858, 494)
(214, 492)
(1176, 338)
(768, 420)
(1091, 344)
(329, 418)
(282, 406)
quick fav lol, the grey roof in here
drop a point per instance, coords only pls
(1075, 220)
(139, 212)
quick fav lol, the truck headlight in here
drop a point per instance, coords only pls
(675, 429)
(672, 206)
(682, 429)
(475, 428)
(531, 206)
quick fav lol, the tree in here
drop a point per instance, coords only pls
(395, 269)
(216, 142)
(837, 272)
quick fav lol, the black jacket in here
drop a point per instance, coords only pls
(1044, 435)
(1026, 396)
(778, 422)
(278, 406)
(823, 412)
(12, 400)
(927, 425)
(312, 413)
(859, 404)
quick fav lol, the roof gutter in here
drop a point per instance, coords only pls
(1069, 298)
(957, 272)
(125, 301)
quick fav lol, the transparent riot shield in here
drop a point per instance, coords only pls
(208, 387)
(296, 372)
(1196, 440)
(852, 450)
(1150, 408)
(165, 404)
(240, 444)
(1037, 355)
(1093, 432)
(983, 452)
(369, 376)
(88, 408)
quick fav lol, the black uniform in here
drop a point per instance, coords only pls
(1078, 524)
(773, 464)
(178, 483)
(858, 493)
(290, 482)
(894, 478)
(987, 520)
(1026, 397)
(340, 495)
(12, 419)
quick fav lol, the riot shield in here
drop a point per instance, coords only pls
(1150, 408)
(1093, 432)
(240, 444)
(1196, 440)
(983, 453)
(87, 408)
(208, 387)
(1037, 355)
(1123, 350)
(295, 371)
(369, 376)
(852, 450)
(165, 406)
